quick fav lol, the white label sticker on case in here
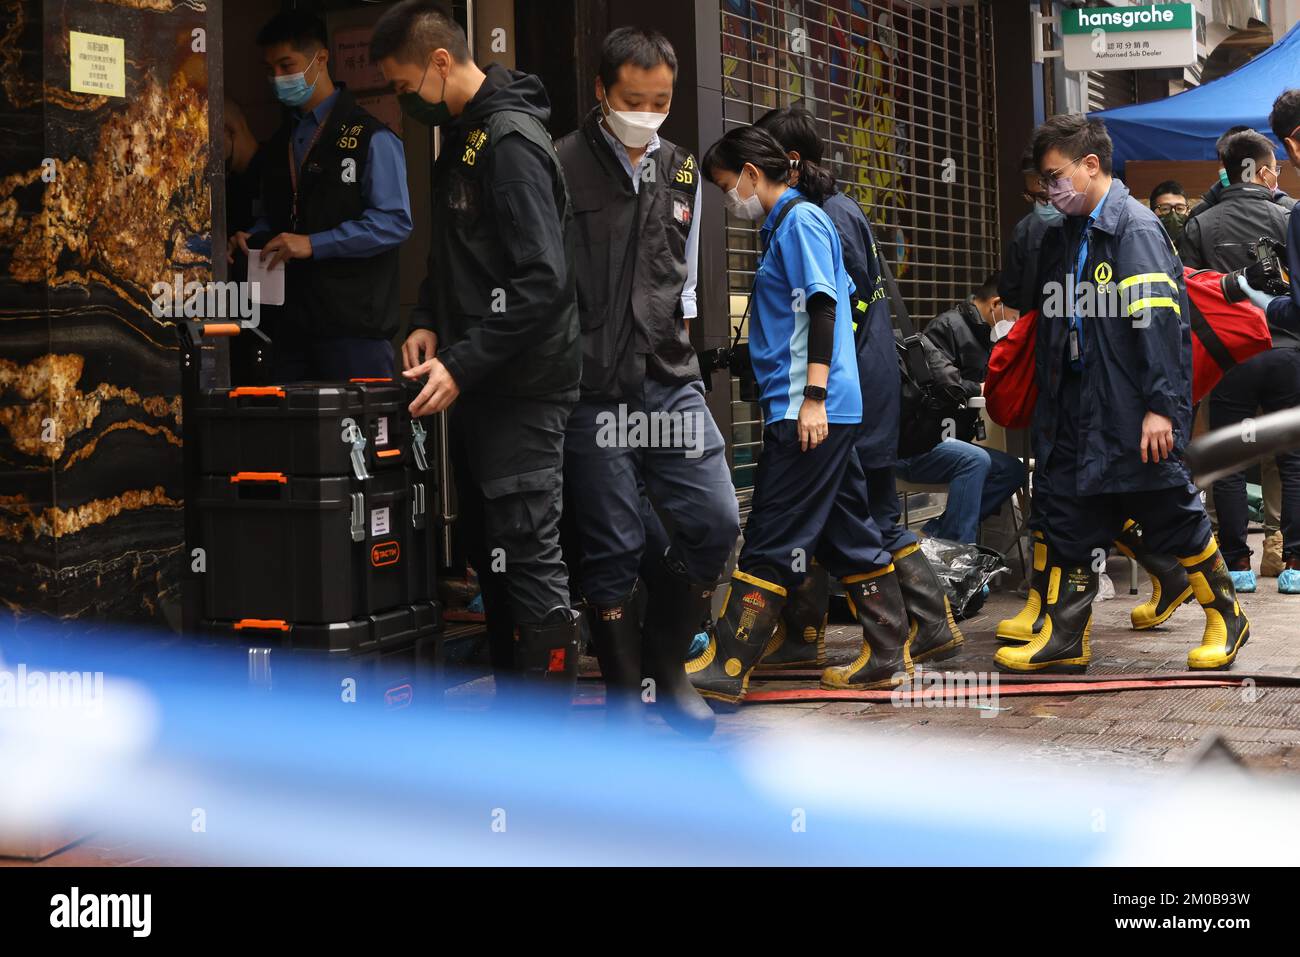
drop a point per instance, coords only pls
(379, 521)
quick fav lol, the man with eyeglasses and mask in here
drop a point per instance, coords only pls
(1113, 366)
(495, 334)
(335, 210)
(1169, 203)
(1020, 262)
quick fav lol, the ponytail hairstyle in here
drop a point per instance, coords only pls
(796, 130)
(748, 144)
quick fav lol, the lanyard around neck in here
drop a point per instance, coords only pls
(293, 164)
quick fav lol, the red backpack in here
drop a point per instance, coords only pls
(1223, 334)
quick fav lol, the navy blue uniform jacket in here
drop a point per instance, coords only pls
(1137, 347)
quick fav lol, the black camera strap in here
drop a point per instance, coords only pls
(918, 367)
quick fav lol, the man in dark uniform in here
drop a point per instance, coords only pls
(334, 210)
(636, 198)
(1114, 405)
(496, 329)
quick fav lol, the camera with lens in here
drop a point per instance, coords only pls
(735, 359)
(1267, 274)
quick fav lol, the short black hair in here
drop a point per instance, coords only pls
(1222, 141)
(796, 130)
(1076, 136)
(748, 144)
(1246, 146)
(988, 288)
(412, 30)
(1027, 164)
(1168, 186)
(304, 31)
(636, 45)
(1286, 115)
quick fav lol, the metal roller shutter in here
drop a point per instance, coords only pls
(904, 93)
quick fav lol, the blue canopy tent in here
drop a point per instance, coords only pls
(1185, 126)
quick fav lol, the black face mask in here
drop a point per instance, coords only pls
(420, 109)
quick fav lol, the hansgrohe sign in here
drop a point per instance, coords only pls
(1129, 38)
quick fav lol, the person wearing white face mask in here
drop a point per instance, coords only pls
(810, 494)
(636, 199)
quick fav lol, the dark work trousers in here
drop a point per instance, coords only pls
(508, 460)
(661, 447)
(1269, 381)
(303, 358)
(810, 504)
(1173, 519)
(886, 510)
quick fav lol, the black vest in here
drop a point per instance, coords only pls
(468, 249)
(631, 261)
(349, 296)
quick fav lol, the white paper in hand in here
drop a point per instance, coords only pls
(271, 279)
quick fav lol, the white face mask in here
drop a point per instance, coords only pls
(745, 207)
(1001, 328)
(634, 130)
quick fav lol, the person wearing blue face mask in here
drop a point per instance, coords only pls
(335, 209)
(1020, 262)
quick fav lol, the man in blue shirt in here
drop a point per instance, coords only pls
(1113, 365)
(335, 210)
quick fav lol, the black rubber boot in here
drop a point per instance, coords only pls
(546, 654)
(1169, 585)
(616, 640)
(1061, 645)
(800, 637)
(737, 640)
(1226, 625)
(884, 661)
(499, 620)
(1028, 622)
(935, 635)
(677, 609)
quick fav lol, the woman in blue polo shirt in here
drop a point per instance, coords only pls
(809, 490)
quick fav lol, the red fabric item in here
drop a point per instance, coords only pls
(1241, 327)
(1223, 334)
(1010, 389)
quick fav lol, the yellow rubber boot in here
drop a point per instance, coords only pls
(884, 660)
(800, 637)
(1029, 620)
(1169, 585)
(1061, 646)
(1226, 626)
(750, 612)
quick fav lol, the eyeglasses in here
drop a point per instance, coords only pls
(1164, 209)
(1054, 174)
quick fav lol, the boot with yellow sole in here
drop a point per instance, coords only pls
(935, 635)
(800, 637)
(737, 639)
(1061, 645)
(1226, 626)
(1169, 585)
(884, 662)
(1029, 620)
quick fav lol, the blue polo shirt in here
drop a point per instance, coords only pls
(803, 255)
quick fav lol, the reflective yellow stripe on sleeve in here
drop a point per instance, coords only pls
(1147, 278)
(1154, 302)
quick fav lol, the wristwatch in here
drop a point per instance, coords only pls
(814, 392)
